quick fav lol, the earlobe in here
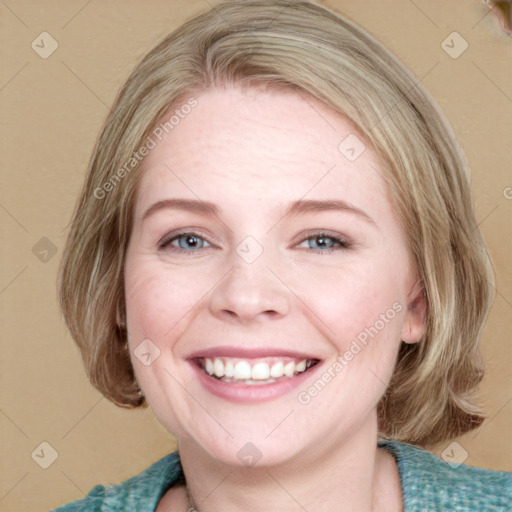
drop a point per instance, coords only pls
(415, 320)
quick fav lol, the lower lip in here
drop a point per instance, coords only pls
(245, 393)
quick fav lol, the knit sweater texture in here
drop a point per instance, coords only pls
(429, 484)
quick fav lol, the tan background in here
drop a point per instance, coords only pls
(51, 112)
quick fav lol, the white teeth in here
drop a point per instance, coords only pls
(218, 367)
(242, 370)
(289, 369)
(229, 369)
(301, 366)
(208, 366)
(277, 370)
(260, 371)
(232, 369)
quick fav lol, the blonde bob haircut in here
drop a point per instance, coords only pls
(307, 48)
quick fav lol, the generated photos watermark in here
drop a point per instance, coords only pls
(356, 346)
(149, 144)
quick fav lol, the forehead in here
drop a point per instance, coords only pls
(258, 146)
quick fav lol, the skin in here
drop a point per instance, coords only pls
(254, 152)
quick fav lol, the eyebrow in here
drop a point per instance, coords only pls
(191, 205)
(298, 207)
(314, 206)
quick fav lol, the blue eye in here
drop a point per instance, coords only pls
(188, 242)
(323, 242)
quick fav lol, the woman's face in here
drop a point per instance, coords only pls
(267, 279)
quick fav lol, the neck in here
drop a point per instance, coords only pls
(353, 475)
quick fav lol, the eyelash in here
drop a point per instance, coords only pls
(166, 241)
(340, 242)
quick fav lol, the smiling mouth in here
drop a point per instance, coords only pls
(254, 371)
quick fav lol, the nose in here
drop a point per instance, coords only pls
(249, 292)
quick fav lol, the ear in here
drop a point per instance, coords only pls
(415, 319)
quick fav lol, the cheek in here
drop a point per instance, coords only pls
(353, 298)
(362, 306)
(160, 302)
(159, 299)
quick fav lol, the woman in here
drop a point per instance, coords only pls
(276, 249)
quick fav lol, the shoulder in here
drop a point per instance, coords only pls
(141, 492)
(433, 484)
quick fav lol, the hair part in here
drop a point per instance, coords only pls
(298, 45)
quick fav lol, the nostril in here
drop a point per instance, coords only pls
(229, 313)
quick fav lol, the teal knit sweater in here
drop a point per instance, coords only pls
(428, 484)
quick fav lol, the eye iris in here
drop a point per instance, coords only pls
(322, 242)
(189, 242)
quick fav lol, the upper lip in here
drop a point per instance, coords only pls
(248, 353)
